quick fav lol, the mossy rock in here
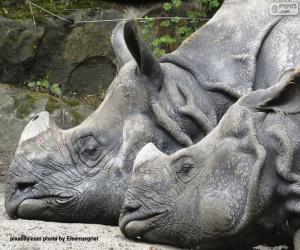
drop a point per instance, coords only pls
(17, 106)
(25, 104)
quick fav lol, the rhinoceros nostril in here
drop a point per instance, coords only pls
(130, 208)
(22, 186)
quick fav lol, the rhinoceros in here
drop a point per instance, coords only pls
(81, 174)
(236, 188)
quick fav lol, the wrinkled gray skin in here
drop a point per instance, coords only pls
(81, 174)
(237, 187)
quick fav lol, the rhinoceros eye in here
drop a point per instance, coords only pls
(89, 150)
(186, 168)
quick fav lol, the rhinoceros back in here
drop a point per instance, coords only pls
(222, 55)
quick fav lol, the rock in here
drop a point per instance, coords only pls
(19, 43)
(79, 57)
(87, 49)
(18, 106)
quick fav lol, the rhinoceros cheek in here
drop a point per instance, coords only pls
(215, 216)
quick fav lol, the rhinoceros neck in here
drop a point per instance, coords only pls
(184, 108)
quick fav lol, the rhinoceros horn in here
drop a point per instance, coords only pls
(147, 63)
(39, 124)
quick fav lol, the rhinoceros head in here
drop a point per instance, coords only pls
(81, 174)
(223, 191)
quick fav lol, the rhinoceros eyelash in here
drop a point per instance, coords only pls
(90, 159)
(87, 140)
(185, 168)
(99, 157)
(90, 151)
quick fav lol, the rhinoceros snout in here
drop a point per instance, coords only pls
(24, 186)
(17, 193)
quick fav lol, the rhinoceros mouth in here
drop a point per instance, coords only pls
(39, 207)
(31, 206)
(135, 225)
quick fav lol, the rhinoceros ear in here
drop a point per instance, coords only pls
(118, 43)
(147, 63)
(282, 97)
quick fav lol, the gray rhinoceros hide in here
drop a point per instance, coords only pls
(222, 55)
(237, 188)
(82, 174)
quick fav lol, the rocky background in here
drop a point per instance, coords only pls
(81, 60)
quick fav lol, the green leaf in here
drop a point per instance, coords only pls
(165, 23)
(55, 85)
(55, 89)
(38, 83)
(156, 42)
(175, 19)
(149, 19)
(167, 39)
(211, 4)
(31, 84)
(159, 52)
(167, 6)
(101, 90)
(45, 84)
(192, 14)
(177, 3)
(185, 31)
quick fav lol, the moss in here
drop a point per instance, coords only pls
(25, 105)
(71, 102)
(17, 102)
(78, 118)
(101, 90)
(53, 104)
(33, 96)
(16, 10)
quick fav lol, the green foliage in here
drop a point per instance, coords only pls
(55, 89)
(167, 34)
(19, 9)
(43, 85)
(25, 105)
(211, 5)
(167, 6)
